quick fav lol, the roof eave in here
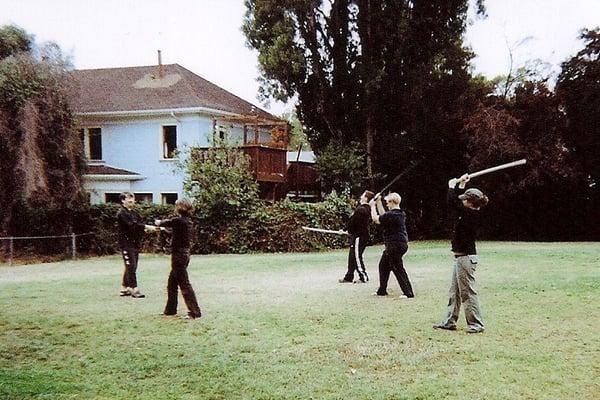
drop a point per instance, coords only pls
(113, 177)
(162, 111)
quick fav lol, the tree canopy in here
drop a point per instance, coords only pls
(390, 75)
(579, 89)
(42, 159)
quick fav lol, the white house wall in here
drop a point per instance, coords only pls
(97, 189)
(135, 144)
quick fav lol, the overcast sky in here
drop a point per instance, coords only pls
(205, 37)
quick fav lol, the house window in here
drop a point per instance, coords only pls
(112, 198)
(143, 197)
(95, 135)
(169, 141)
(91, 141)
(168, 198)
(221, 132)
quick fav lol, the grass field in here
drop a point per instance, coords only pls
(279, 326)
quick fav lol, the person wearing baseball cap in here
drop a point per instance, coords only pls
(466, 205)
(395, 239)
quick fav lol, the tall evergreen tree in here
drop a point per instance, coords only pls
(578, 87)
(366, 70)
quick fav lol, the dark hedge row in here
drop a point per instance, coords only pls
(265, 228)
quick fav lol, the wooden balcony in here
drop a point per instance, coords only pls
(267, 163)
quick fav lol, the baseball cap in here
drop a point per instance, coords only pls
(472, 194)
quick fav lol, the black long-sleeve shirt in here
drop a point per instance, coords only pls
(466, 223)
(358, 224)
(131, 227)
(393, 223)
(182, 231)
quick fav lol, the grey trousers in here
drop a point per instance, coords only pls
(462, 291)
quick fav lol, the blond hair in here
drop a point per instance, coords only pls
(393, 198)
(184, 206)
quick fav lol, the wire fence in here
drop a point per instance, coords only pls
(72, 238)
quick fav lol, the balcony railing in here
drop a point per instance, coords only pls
(267, 163)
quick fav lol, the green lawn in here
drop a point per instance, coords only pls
(279, 326)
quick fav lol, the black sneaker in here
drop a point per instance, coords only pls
(475, 330)
(124, 293)
(343, 281)
(445, 327)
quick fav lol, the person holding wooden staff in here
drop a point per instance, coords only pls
(131, 232)
(395, 239)
(466, 205)
(358, 232)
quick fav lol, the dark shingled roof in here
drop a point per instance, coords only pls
(138, 88)
(106, 170)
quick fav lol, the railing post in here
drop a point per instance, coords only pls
(10, 251)
(73, 245)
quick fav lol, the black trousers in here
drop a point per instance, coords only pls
(130, 259)
(391, 261)
(355, 259)
(178, 278)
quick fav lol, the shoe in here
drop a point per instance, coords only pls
(403, 296)
(475, 330)
(377, 294)
(359, 281)
(136, 294)
(343, 281)
(124, 292)
(446, 327)
(169, 315)
(191, 317)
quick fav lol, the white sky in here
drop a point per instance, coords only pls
(205, 36)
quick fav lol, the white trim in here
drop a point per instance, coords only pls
(108, 177)
(168, 111)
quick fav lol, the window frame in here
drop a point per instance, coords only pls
(164, 194)
(137, 195)
(87, 143)
(164, 154)
(117, 194)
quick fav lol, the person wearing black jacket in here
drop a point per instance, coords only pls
(180, 258)
(131, 233)
(395, 238)
(466, 205)
(358, 232)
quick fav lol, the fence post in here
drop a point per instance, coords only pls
(73, 245)
(10, 251)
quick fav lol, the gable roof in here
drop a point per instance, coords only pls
(139, 88)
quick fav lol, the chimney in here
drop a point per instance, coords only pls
(160, 66)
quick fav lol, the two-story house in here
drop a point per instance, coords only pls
(132, 121)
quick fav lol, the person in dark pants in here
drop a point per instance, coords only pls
(180, 258)
(466, 204)
(358, 231)
(395, 239)
(131, 233)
